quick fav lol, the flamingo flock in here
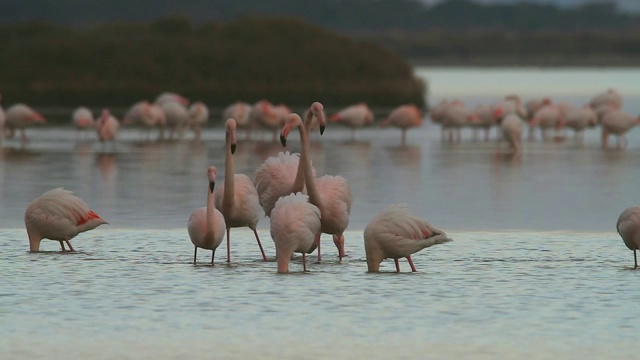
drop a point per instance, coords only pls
(286, 188)
(544, 116)
(301, 206)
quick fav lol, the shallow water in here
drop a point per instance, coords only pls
(536, 269)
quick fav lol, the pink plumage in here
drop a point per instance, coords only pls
(628, 227)
(107, 126)
(294, 226)
(206, 225)
(58, 215)
(396, 233)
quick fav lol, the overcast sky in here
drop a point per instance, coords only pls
(625, 5)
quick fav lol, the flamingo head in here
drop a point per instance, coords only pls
(211, 173)
(317, 109)
(230, 137)
(291, 122)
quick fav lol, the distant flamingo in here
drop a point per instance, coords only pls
(206, 225)
(511, 127)
(395, 233)
(331, 194)
(240, 112)
(404, 117)
(617, 122)
(198, 116)
(82, 118)
(176, 116)
(608, 98)
(171, 97)
(237, 198)
(354, 116)
(58, 215)
(547, 117)
(532, 106)
(264, 115)
(147, 115)
(579, 119)
(294, 225)
(284, 174)
(107, 127)
(628, 227)
(21, 116)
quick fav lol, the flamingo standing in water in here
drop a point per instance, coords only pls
(148, 115)
(107, 127)
(354, 116)
(58, 215)
(198, 116)
(628, 227)
(265, 115)
(331, 194)
(237, 198)
(206, 225)
(617, 122)
(294, 225)
(239, 111)
(284, 174)
(396, 233)
(82, 118)
(21, 116)
(511, 127)
(404, 117)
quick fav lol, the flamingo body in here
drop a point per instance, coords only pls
(628, 227)
(396, 233)
(206, 225)
(82, 118)
(19, 117)
(511, 127)
(294, 225)
(107, 127)
(58, 215)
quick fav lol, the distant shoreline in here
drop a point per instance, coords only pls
(604, 61)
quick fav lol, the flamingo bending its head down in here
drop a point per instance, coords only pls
(404, 117)
(396, 233)
(58, 215)
(294, 225)
(331, 194)
(206, 225)
(237, 198)
(21, 116)
(628, 227)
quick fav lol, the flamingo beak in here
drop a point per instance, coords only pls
(212, 185)
(283, 139)
(321, 129)
(233, 148)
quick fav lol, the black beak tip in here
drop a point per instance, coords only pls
(212, 186)
(321, 129)
(283, 140)
(233, 148)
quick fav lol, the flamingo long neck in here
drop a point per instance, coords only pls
(298, 182)
(211, 207)
(312, 190)
(229, 188)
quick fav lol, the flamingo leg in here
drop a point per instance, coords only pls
(213, 254)
(339, 241)
(228, 247)
(69, 244)
(317, 241)
(397, 265)
(62, 245)
(195, 252)
(264, 257)
(304, 262)
(413, 268)
(635, 259)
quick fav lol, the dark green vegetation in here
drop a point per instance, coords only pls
(280, 59)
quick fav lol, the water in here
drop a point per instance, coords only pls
(536, 269)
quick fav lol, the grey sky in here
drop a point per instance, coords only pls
(625, 5)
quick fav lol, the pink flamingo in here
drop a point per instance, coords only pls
(617, 122)
(404, 117)
(198, 116)
(237, 198)
(176, 116)
(354, 116)
(547, 117)
(580, 119)
(294, 225)
(532, 106)
(264, 114)
(511, 127)
(239, 111)
(395, 233)
(82, 118)
(284, 174)
(206, 225)
(331, 194)
(107, 126)
(628, 227)
(58, 215)
(608, 98)
(21, 116)
(148, 115)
